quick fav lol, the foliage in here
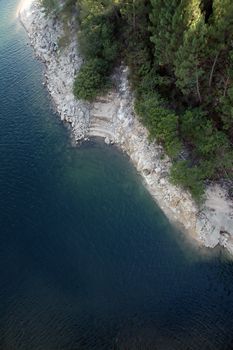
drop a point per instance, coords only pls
(96, 39)
(98, 44)
(188, 68)
(191, 178)
(207, 142)
(161, 122)
(50, 5)
(193, 60)
(91, 79)
(181, 69)
(161, 18)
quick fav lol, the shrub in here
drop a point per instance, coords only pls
(97, 38)
(90, 80)
(190, 178)
(49, 6)
(160, 121)
(98, 44)
(210, 145)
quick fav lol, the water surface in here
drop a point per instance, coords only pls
(87, 260)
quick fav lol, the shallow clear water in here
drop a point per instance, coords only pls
(87, 260)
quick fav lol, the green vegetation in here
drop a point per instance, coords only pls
(180, 55)
(50, 6)
(161, 122)
(190, 177)
(91, 79)
(98, 44)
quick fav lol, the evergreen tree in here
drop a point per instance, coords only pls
(185, 15)
(191, 54)
(135, 37)
(161, 28)
(180, 56)
(221, 54)
(219, 32)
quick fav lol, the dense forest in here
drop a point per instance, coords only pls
(180, 54)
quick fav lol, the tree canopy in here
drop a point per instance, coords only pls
(180, 54)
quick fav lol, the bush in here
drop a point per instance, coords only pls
(90, 80)
(96, 39)
(98, 44)
(210, 145)
(161, 122)
(226, 110)
(190, 178)
(50, 6)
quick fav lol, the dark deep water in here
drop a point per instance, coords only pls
(87, 261)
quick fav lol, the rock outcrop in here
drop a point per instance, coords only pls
(112, 117)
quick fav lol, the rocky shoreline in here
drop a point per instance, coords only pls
(112, 117)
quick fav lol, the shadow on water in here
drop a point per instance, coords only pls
(87, 260)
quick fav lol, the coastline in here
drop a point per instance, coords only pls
(112, 117)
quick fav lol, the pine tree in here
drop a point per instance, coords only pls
(191, 54)
(185, 14)
(161, 18)
(135, 13)
(219, 34)
(220, 52)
